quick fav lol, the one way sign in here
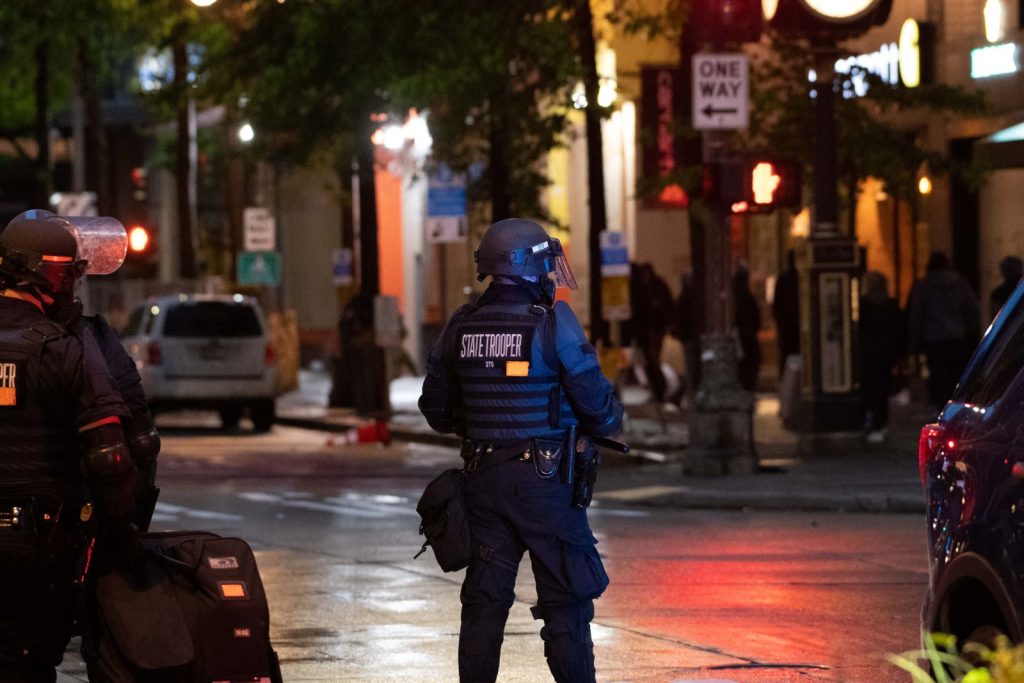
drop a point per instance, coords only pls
(721, 91)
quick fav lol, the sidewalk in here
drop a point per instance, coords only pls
(842, 473)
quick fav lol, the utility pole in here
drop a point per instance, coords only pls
(583, 21)
(185, 157)
(721, 424)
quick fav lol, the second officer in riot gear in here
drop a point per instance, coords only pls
(63, 458)
(515, 376)
(104, 242)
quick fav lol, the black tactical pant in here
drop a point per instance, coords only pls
(38, 603)
(512, 510)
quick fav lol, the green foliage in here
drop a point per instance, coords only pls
(490, 74)
(941, 662)
(877, 135)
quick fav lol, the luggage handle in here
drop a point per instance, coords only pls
(192, 569)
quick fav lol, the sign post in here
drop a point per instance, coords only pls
(721, 423)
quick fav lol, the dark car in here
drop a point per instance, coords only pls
(972, 466)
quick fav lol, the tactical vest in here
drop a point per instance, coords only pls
(39, 450)
(507, 365)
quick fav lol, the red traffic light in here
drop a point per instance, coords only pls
(138, 239)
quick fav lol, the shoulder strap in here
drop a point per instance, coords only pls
(42, 332)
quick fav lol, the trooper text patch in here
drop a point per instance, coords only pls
(9, 378)
(493, 347)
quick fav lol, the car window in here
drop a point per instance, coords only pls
(999, 363)
(211, 319)
(131, 328)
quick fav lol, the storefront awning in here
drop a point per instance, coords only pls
(1002, 149)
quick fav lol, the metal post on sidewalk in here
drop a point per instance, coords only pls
(721, 438)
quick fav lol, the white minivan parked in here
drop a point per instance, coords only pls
(205, 351)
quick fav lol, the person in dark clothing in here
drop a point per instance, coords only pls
(748, 322)
(359, 379)
(653, 314)
(786, 310)
(944, 324)
(1011, 268)
(881, 345)
(514, 375)
(685, 328)
(63, 457)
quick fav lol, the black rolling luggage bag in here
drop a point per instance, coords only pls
(194, 612)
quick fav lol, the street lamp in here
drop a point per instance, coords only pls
(187, 152)
(830, 262)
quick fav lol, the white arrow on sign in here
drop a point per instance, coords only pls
(721, 91)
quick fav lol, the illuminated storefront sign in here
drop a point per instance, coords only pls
(994, 60)
(997, 59)
(894, 63)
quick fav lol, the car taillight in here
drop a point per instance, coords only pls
(153, 355)
(929, 445)
(269, 355)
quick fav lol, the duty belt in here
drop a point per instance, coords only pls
(27, 514)
(482, 456)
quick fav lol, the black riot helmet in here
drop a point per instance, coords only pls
(37, 247)
(516, 247)
(51, 252)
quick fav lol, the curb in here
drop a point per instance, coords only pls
(892, 503)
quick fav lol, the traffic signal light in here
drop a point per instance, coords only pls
(139, 183)
(753, 184)
(140, 261)
(140, 242)
(719, 22)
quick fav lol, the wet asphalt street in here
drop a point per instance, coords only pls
(695, 595)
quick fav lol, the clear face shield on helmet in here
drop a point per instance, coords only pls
(102, 243)
(561, 270)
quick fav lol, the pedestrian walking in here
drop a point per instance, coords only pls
(514, 375)
(60, 437)
(1011, 268)
(943, 324)
(653, 313)
(881, 346)
(786, 311)
(748, 322)
(686, 329)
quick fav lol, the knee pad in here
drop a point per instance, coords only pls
(566, 631)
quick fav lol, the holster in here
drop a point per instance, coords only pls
(588, 458)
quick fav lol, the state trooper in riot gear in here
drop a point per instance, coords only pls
(514, 375)
(105, 242)
(63, 458)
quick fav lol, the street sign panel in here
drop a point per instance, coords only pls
(342, 268)
(614, 254)
(721, 91)
(446, 206)
(259, 229)
(259, 268)
(75, 203)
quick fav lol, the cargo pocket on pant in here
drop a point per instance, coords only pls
(583, 567)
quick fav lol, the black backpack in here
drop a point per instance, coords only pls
(194, 610)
